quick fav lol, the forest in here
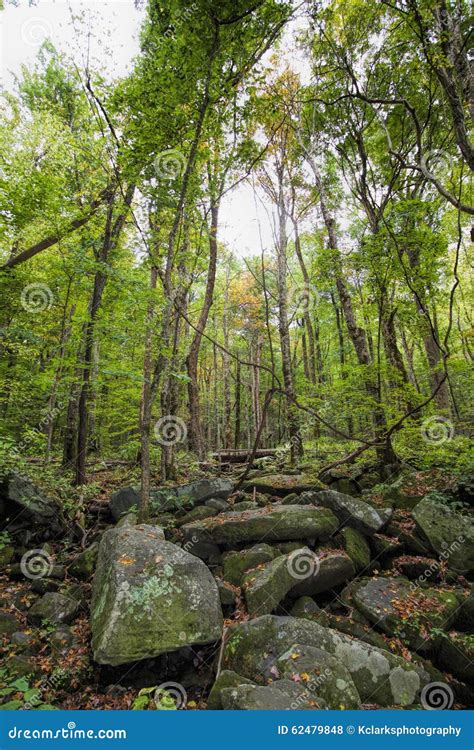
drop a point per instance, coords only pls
(236, 414)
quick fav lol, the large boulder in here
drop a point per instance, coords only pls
(321, 674)
(272, 524)
(357, 548)
(404, 610)
(150, 597)
(268, 584)
(253, 649)
(456, 655)
(235, 564)
(450, 534)
(281, 695)
(352, 512)
(283, 484)
(332, 568)
(171, 498)
(123, 500)
(226, 679)
(20, 495)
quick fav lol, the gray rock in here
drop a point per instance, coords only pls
(8, 623)
(20, 494)
(226, 594)
(266, 586)
(253, 648)
(217, 503)
(150, 597)
(357, 548)
(283, 484)
(123, 500)
(280, 695)
(165, 499)
(304, 606)
(330, 570)
(235, 564)
(6, 555)
(244, 505)
(53, 608)
(322, 675)
(197, 514)
(62, 638)
(83, 565)
(406, 611)
(352, 512)
(449, 533)
(456, 656)
(277, 523)
(226, 679)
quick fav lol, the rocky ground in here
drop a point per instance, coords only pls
(290, 594)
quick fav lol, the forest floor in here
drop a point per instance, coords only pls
(401, 588)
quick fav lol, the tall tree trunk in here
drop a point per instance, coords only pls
(357, 334)
(296, 443)
(112, 233)
(195, 428)
(237, 426)
(146, 401)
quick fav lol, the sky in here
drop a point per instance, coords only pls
(106, 32)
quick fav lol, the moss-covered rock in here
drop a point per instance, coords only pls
(226, 593)
(167, 499)
(272, 524)
(330, 569)
(304, 606)
(321, 674)
(54, 608)
(352, 511)
(6, 555)
(235, 564)
(197, 514)
(253, 648)
(19, 493)
(456, 655)
(268, 584)
(8, 623)
(280, 695)
(357, 548)
(449, 533)
(404, 610)
(283, 484)
(150, 597)
(83, 565)
(226, 679)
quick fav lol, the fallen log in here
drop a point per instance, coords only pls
(240, 456)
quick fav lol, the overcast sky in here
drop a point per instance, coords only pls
(114, 27)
